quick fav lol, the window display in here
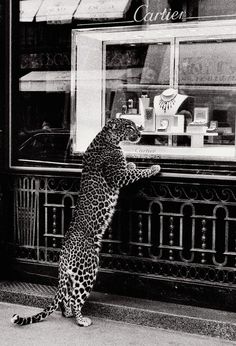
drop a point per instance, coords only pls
(40, 64)
(41, 121)
(176, 83)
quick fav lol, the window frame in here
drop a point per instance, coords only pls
(168, 29)
(177, 33)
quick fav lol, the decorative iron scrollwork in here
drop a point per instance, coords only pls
(177, 230)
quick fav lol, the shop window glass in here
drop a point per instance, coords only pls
(210, 9)
(133, 71)
(217, 9)
(2, 78)
(41, 117)
(208, 74)
(180, 92)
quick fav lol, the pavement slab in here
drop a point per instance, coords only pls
(176, 317)
(57, 330)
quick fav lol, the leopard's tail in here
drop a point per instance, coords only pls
(16, 319)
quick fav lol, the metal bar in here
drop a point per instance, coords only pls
(47, 205)
(46, 217)
(21, 238)
(111, 241)
(171, 247)
(203, 250)
(53, 235)
(141, 244)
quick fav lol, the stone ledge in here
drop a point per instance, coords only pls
(176, 317)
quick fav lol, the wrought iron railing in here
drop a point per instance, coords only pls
(173, 230)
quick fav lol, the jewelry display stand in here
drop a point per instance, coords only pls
(166, 107)
(165, 118)
(168, 102)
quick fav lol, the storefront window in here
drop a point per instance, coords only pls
(2, 72)
(209, 9)
(175, 81)
(217, 9)
(40, 121)
(177, 85)
(130, 68)
(208, 75)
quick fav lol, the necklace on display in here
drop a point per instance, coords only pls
(167, 99)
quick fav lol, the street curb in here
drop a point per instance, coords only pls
(170, 316)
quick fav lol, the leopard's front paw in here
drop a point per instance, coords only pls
(155, 169)
(131, 165)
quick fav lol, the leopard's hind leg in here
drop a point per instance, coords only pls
(78, 300)
(65, 305)
(82, 287)
(66, 309)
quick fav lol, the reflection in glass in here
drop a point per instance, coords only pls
(208, 74)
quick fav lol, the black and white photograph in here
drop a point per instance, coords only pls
(117, 172)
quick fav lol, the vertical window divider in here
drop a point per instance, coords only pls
(172, 63)
(103, 83)
(176, 63)
(73, 89)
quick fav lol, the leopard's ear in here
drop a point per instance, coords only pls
(111, 124)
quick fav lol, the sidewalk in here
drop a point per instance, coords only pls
(140, 312)
(57, 330)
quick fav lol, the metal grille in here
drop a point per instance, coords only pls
(160, 229)
(26, 192)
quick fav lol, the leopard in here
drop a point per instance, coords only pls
(105, 171)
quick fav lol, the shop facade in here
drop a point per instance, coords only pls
(170, 69)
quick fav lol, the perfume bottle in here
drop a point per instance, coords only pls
(131, 106)
(144, 102)
(124, 109)
(130, 103)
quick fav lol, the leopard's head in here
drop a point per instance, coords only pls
(119, 130)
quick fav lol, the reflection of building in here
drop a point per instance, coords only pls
(174, 231)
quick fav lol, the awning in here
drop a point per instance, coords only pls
(49, 81)
(28, 9)
(103, 9)
(57, 10)
(59, 81)
(63, 11)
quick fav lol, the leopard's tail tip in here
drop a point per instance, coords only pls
(14, 319)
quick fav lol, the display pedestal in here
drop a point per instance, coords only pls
(197, 139)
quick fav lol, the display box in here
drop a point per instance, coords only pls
(164, 78)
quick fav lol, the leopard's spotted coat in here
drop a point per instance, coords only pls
(105, 172)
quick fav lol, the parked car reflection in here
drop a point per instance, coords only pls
(46, 144)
